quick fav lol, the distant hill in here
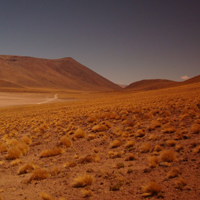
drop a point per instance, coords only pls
(150, 84)
(195, 79)
(64, 73)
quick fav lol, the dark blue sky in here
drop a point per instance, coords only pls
(123, 40)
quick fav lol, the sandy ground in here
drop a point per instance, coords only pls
(15, 99)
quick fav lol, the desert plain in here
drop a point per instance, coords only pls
(102, 145)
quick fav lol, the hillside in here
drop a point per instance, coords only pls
(150, 84)
(65, 73)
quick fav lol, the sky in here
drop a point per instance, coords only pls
(123, 40)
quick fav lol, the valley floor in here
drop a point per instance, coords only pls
(105, 146)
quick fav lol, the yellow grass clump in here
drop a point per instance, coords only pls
(79, 133)
(51, 152)
(146, 147)
(13, 153)
(167, 156)
(115, 144)
(66, 141)
(3, 147)
(87, 193)
(99, 128)
(196, 128)
(26, 140)
(83, 181)
(26, 168)
(16, 162)
(153, 161)
(174, 172)
(46, 196)
(180, 183)
(151, 189)
(39, 174)
(130, 144)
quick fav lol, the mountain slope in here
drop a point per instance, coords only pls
(150, 84)
(65, 73)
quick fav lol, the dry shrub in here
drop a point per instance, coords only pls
(196, 128)
(115, 144)
(83, 181)
(169, 129)
(3, 147)
(196, 149)
(151, 189)
(23, 147)
(66, 141)
(174, 172)
(46, 196)
(51, 152)
(86, 159)
(79, 133)
(171, 143)
(146, 147)
(153, 161)
(91, 136)
(26, 168)
(157, 148)
(140, 133)
(70, 164)
(112, 154)
(15, 162)
(87, 193)
(178, 147)
(100, 128)
(39, 174)
(55, 171)
(26, 140)
(167, 156)
(91, 119)
(96, 150)
(130, 144)
(180, 183)
(13, 153)
(153, 137)
(130, 157)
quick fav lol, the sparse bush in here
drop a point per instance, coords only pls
(196, 128)
(46, 196)
(171, 143)
(151, 189)
(174, 172)
(153, 161)
(146, 147)
(167, 156)
(39, 174)
(83, 181)
(120, 165)
(66, 141)
(87, 193)
(181, 183)
(3, 147)
(157, 148)
(115, 144)
(51, 152)
(26, 168)
(130, 157)
(100, 128)
(79, 133)
(13, 153)
(26, 140)
(15, 162)
(130, 144)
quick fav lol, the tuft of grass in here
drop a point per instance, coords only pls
(196, 128)
(151, 189)
(157, 148)
(83, 181)
(146, 147)
(87, 193)
(15, 162)
(115, 144)
(116, 186)
(120, 165)
(130, 144)
(79, 133)
(3, 147)
(70, 164)
(167, 156)
(66, 141)
(99, 128)
(13, 153)
(26, 168)
(153, 161)
(26, 140)
(87, 159)
(171, 143)
(196, 149)
(39, 174)
(180, 183)
(46, 196)
(130, 157)
(51, 152)
(174, 172)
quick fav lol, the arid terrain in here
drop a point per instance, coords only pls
(113, 145)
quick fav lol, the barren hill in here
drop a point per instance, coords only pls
(65, 73)
(195, 79)
(150, 84)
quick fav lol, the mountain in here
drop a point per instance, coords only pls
(150, 84)
(64, 73)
